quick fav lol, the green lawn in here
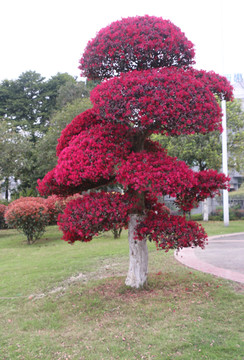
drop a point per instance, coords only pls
(59, 301)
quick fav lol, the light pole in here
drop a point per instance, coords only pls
(224, 133)
(225, 164)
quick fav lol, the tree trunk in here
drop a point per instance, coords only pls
(6, 188)
(138, 267)
(117, 233)
(205, 210)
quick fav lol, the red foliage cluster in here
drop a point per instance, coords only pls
(135, 43)
(170, 231)
(171, 101)
(63, 201)
(28, 215)
(27, 199)
(56, 205)
(92, 155)
(53, 205)
(152, 204)
(88, 161)
(49, 204)
(82, 122)
(2, 211)
(156, 173)
(85, 217)
(207, 183)
(217, 84)
(2, 208)
(52, 209)
(48, 185)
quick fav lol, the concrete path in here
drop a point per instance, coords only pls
(223, 257)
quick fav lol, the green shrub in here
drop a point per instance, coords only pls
(196, 217)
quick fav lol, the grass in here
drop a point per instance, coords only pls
(217, 227)
(181, 314)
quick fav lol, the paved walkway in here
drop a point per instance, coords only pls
(223, 257)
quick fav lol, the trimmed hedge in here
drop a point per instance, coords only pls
(29, 216)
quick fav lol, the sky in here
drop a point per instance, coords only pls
(49, 36)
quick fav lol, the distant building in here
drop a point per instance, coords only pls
(237, 81)
(236, 179)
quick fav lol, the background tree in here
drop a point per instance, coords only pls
(72, 99)
(235, 124)
(14, 149)
(29, 104)
(150, 87)
(74, 90)
(29, 101)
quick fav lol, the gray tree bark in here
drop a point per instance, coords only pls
(205, 210)
(138, 266)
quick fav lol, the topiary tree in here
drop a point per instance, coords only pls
(149, 87)
(29, 215)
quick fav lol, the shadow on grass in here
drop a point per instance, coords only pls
(4, 234)
(13, 240)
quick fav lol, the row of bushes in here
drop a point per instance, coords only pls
(31, 215)
(234, 214)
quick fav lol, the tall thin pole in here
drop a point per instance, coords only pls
(224, 133)
(225, 164)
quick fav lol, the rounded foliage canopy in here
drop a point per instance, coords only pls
(167, 100)
(136, 43)
(28, 215)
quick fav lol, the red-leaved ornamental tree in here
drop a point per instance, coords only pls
(148, 87)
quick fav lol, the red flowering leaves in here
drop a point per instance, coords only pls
(92, 155)
(82, 122)
(88, 161)
(136, 43)
(171, 231)
(171, 101)
(208, 183)
(49, 185)
(159, 174)
(156, 173)
(168, 231)
(217, 84)
(3, 208)
(86, 217)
